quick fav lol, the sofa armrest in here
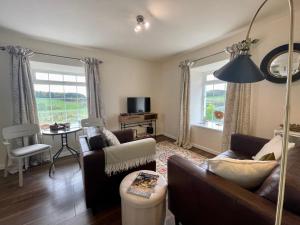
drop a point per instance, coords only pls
(97, 184)
(124, 135)
(214, 200)
(84, 147)
(92, 168)
(93, 174)
(247, 145)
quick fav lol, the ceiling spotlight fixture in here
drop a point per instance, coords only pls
(141, 24)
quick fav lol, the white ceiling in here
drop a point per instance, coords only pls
(176, 25)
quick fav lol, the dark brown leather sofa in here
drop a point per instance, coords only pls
(102, 190)
(199, 197)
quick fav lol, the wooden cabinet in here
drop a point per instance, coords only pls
(146, 120)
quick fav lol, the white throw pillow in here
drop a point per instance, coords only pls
(275, 146)
(246, 173)
(111, 138)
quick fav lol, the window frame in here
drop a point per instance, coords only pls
(198, 112)
(51, 82)
(203, 103)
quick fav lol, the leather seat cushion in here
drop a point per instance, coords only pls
(30, 149)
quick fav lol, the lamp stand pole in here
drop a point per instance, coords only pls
(286, 128)
(283, 163)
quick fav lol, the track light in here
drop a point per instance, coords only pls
(141, 24)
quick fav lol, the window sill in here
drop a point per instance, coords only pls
(209, 125)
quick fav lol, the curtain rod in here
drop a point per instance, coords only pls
(217, 53)
(60, 56)
(254, 41)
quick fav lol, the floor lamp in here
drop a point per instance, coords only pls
(243, 70)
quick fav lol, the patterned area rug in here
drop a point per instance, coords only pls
(165, 149)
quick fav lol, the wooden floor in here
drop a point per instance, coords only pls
(58, 200)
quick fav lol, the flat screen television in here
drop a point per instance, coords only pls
(138, 104)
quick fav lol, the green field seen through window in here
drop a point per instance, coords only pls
(61, 110)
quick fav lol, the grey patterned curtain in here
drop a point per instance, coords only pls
(92, 73)
(24, 103)
(183, 138)
(237, 108)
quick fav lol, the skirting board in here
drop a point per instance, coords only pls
(209, 150)
(169, 136)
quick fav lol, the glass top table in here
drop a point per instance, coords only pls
(64, 143)
(62, 131)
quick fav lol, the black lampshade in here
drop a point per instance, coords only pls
(240, 70)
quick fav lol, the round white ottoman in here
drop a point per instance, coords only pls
(137, 210)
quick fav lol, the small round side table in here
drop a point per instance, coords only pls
(64, 143)
(138, 210)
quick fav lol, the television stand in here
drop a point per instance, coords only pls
(146, 120)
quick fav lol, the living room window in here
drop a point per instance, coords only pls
(60, 92)
(208, 96)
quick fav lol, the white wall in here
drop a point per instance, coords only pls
(123, 76)
(267, 99)
(120, 77)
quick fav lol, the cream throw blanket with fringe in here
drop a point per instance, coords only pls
(129, 155)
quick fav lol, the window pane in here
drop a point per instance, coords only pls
(64, 102)
(69, 78)
(41, 91)
(41, 87)
(209, 88)
(76, 110)
(83, 112)
(59, 116)
(209, 102)
(55, 77)
(215, 96)
(43, 104)
(72, 116)
(45, 117)
(41, 76)
(209, 109)
(57, 104)
(57, 91)
(70, 92)
(82, 91)
(81, 79)
(208, 94)
(71, 104)
(72, 108)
